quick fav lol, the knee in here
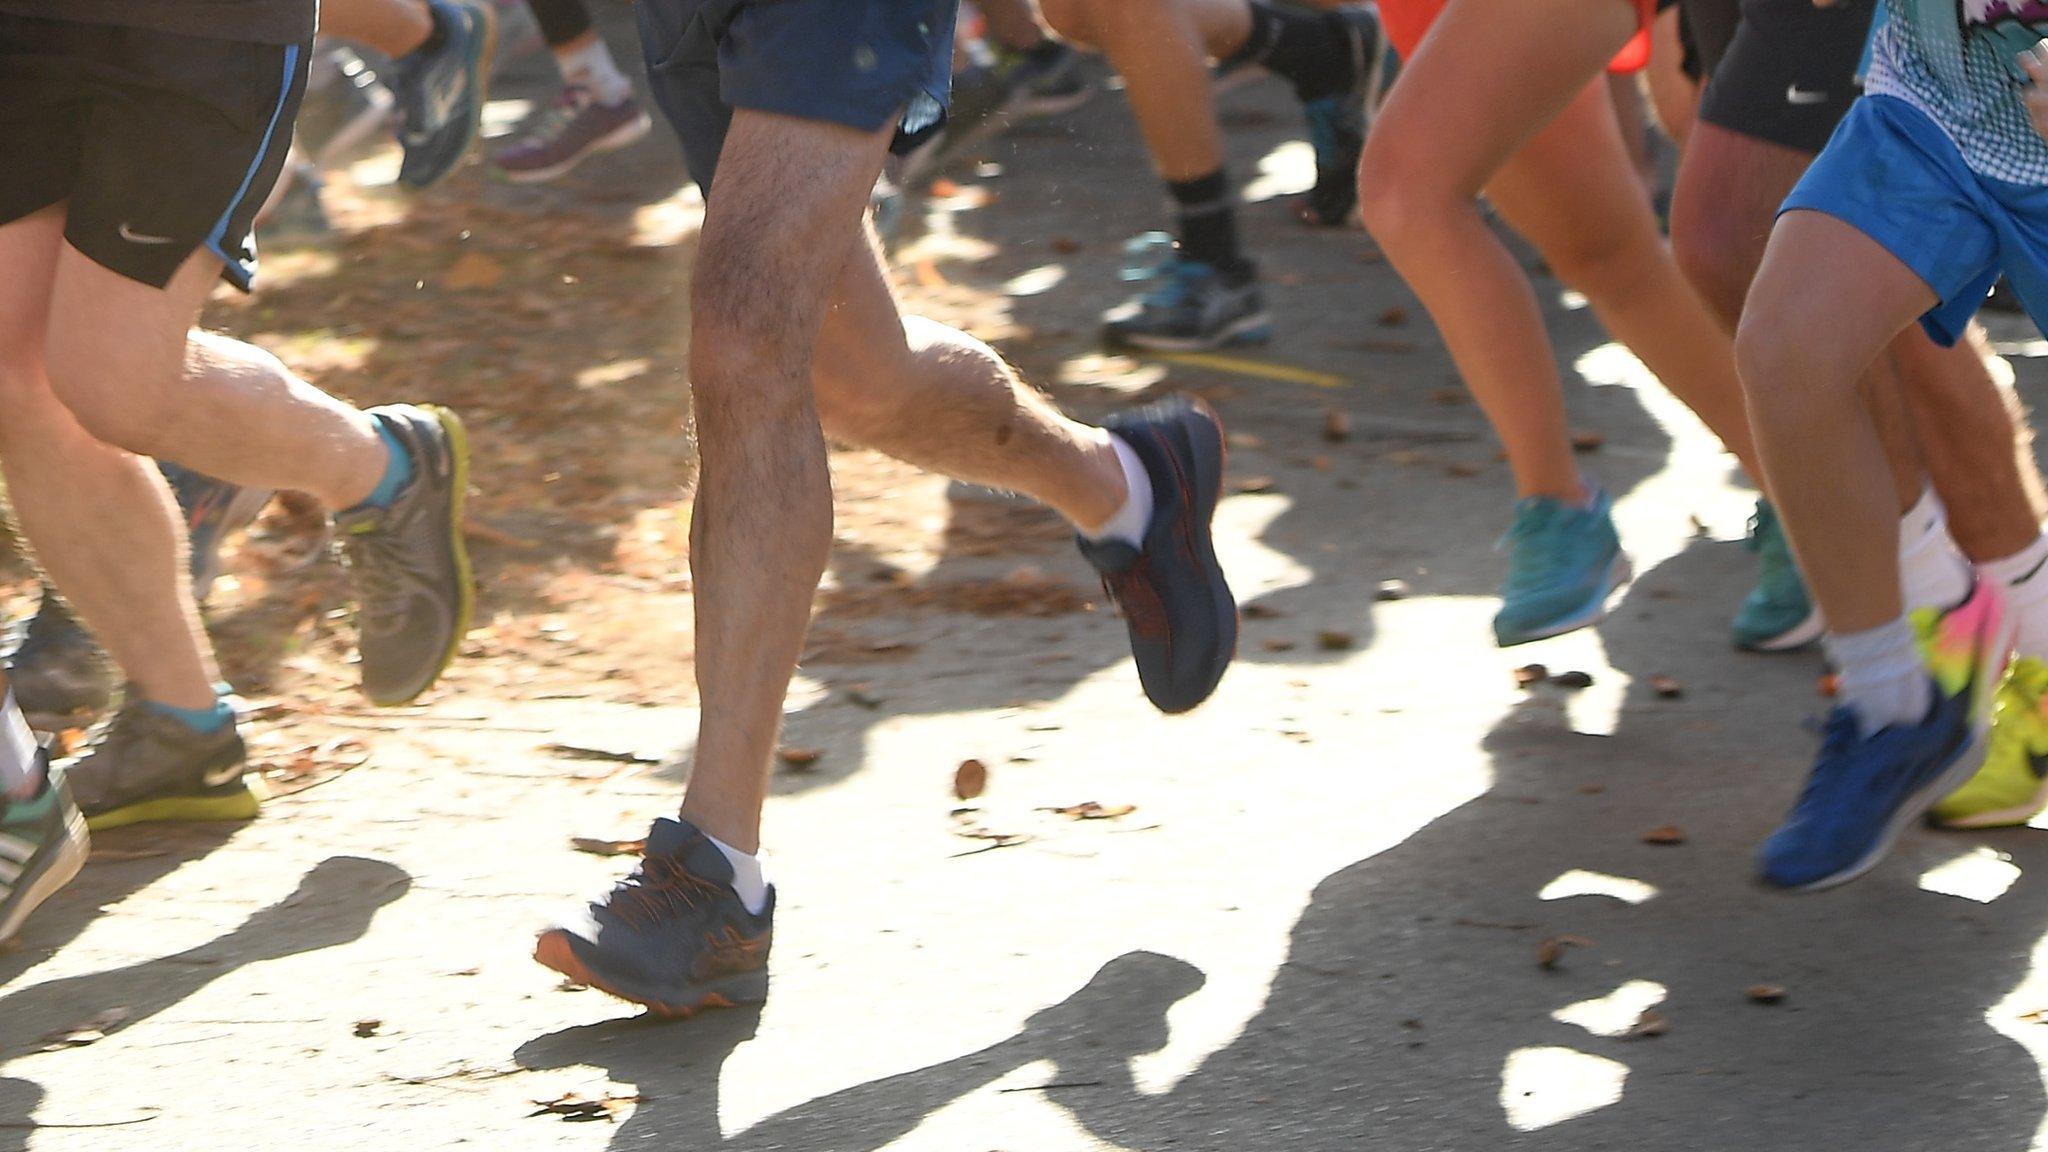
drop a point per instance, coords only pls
(1396, 194)
(126, 413)
(1780, 368)
(1713, 253)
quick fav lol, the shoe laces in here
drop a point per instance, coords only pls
(660, 886)
(561, 112)
(1840, 733)
(378, 560)
(1178, 284)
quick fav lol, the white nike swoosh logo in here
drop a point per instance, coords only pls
(134, 237)
(220, 777)
(1794, 94)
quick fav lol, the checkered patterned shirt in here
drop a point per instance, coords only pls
(1955, 61)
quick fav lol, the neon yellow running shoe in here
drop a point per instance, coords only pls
(2012, 786)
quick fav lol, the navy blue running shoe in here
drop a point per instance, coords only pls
(441, 94)
(1865, 790)
(1175, 601)
(672, 936)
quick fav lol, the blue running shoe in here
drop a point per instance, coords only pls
(1563, 564)
(214, 510)
(1175, 601)
(441, 93)
(1338, 124)
(1864, 790)
(672, 936)
(1777, 615)
(1191, 307)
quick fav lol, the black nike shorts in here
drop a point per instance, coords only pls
(1781, 71)
(158, 144)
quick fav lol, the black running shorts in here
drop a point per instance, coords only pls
(1782, 71)
(158, 143)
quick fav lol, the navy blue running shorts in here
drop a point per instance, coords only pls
(861, 63)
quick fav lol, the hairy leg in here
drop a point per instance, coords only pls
(1976, 441)
(1826, 303)
(1571, 192)
(117, 358)
(938, 398)
(1501, 73)
(102, 522)
(782, 218)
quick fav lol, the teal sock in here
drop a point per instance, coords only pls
(397, 471)
(206, 720)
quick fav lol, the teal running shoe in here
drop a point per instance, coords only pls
(1777, 615)
(1563, 564)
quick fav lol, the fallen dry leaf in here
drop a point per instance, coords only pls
(1666, 687)
(597, 847)
(1393, 590)
(574, 1107)
(1260, 612)
(1277, 644)
(1829, 685)
(798, 759)
(473, 270)
(1253, 485)
(1333, 640)
(1665, 834)
(1448, 397)
(1529, 674)
(970, 779)
(364, 1029)
(89, 1031)
(1461, 470)
(1090, 810)
(1768, 994)
(1336, 425)
(1649, 1024)
(1394, 317)
(1065, 246)
(1587, 441)
(1551, 951)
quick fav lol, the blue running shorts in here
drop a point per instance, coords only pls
(861, 63)
(1892, 174)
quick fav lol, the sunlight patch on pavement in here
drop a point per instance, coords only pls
(2018, 1017)
(1982, 875)
(1616, 1012)
(1256, 569)
(1540, 1087)
(1579, 882)
(1287, 170)
(668, 222)
(1043, 278)
(501, 116)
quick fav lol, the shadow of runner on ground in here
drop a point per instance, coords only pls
(332, 905)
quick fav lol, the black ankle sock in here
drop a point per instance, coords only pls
(1309, 49)
(436, 36)
(1206, 224)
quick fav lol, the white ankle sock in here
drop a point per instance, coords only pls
(1882, 677)
(2023, 577)
(749, 877)
(20, 775)
(592, 67)
(1131, 520)
(1933, 572)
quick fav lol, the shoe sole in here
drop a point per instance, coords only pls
(1805, 633)
(229, 808)
(69, 859)
(553, 951)
(1969, 758)
(624, 136)
(465, 581)
(1256, 328)
(1619, 573)
(1998, 817)
(479, 67)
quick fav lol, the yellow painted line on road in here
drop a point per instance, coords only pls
(1264, 369)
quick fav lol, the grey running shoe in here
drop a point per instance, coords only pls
(1190, 307)
(411, 568)
(572, 129)
(43, 844)
(673, 935)
(62, 678)
(143, 765)
(441, 94)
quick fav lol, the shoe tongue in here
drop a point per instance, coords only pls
(681, 841)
